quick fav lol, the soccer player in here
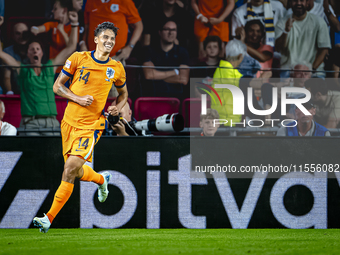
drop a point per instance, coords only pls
(93, 74)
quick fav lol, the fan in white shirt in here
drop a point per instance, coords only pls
(5, 128)
(239, 18)
(324, 11)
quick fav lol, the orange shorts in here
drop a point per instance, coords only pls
(202, 31)
(78, 142)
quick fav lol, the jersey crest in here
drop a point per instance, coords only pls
(110, 73)
(114, 7)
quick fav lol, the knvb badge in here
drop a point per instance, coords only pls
(110, 73)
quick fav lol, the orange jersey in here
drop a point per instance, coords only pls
(91, 77)
(58, 42)
(210, 8)
(120, 12)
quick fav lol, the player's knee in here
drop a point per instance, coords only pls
(70, 171)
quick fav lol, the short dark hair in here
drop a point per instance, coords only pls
(316, 85)
(257, 22)
(65, 3)
(35, 40)
(212, 38)
(164, 21)
(104, 26)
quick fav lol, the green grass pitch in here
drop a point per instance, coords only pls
(169, 241)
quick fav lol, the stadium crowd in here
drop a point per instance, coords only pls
(165, 43)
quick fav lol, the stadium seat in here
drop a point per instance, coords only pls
(191, 111)
(12, 109)
(153, 107)
(61, 104)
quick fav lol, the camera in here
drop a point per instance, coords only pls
(113, 119)
(166, 123)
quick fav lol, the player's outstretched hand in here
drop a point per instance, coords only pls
(85, 100)
(113, 110)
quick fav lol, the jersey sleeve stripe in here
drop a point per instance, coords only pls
(66, 73)
(120, 86)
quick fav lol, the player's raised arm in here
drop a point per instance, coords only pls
(60, 89)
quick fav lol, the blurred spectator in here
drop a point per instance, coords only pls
(38, 108)
(253, 35)
(61, 28)
(302, 36)
(227, 73)
(5, 127)
(18, 51)
(166, 82)
(163, 11)
(122, 14)
(77, 6)
(324, 11)
(330, 16)
(249, 66)
(212, 46)
(301, 73)
(210, 16)
(327, 102)
(306, 126)
(207, 122)
(269, 12)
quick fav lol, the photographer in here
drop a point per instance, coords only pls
(128, 126)
(122, 128)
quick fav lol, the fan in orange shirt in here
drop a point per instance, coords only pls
(210, 16)
(122, 13)
(93, 74)
(61, 28)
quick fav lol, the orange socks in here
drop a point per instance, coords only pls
(65, 190)
(91, 176)
(60, 198)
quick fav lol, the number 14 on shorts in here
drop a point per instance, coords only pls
(83, 144)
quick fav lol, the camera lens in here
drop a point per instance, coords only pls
(113, 119)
